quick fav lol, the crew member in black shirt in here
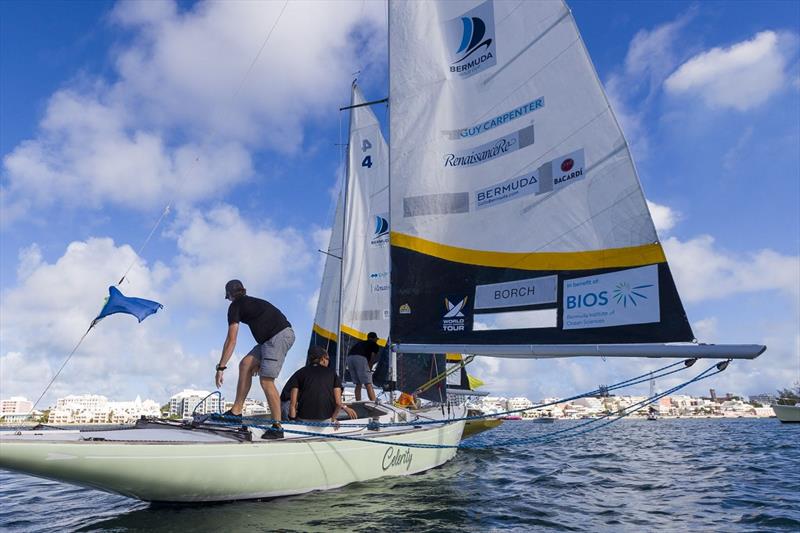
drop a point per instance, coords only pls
(362, 356)
(274, 337)
(316, 390)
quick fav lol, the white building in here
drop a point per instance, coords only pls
(254, 408)
(190, 400)
(520, 402)
(15, 405)
(96, 409)
(16, 409)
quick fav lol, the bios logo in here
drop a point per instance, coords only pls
(472, 36)
(453, 319)
(567, 165)
(624, 293)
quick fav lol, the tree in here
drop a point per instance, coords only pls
(790, 395)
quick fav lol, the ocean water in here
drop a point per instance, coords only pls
(635, 475)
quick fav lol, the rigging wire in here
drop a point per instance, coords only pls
(547, 438)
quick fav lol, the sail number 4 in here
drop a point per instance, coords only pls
(367, 161)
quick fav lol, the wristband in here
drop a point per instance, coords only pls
(221, 368)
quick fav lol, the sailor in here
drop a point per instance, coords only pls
(362, 356)
(274, 336)
(316, 390)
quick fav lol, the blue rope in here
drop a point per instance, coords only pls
(546, 438)
(659, 373)
(219, 404)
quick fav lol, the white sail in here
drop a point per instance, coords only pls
(365, 277)
(513, 189)
(326, 319)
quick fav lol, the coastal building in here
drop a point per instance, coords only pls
(520, 402)
(96, 409)
(15, 405)
(184, 403)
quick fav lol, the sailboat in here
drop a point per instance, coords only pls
(518, 229)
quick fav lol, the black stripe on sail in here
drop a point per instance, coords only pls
(424, 288)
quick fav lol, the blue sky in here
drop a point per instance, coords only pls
(110, 111)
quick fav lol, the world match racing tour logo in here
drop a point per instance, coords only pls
(474, 31)
(453, 319)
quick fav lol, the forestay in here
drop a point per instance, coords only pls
(513, 189)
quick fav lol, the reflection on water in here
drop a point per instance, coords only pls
(723, 475)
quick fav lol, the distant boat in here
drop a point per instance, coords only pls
(787, 413)
(473, 427)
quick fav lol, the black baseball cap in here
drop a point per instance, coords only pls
(232, 288)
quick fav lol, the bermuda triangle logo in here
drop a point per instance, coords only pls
(472, 39)
(381, 227)
(474, 31)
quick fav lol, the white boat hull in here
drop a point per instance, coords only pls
(229, 470)
(787, 413)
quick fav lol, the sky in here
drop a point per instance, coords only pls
(228, 113)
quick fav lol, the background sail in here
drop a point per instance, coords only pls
(326, 319)
(513, 188)
(365, 279)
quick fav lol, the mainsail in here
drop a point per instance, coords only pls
(357, 265)
(518, 219)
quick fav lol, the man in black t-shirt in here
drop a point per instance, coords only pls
(316, 390)
(274, 337)
(362, 356)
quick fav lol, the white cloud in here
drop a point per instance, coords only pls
(650, 58)
(664, 217)
(705, 329)
(52, 304)
(702, 271)
(177, 120)
(221, 245)
(741, 76)
(86, 155)
(47, 312)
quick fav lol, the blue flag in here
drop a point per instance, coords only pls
(119, 303)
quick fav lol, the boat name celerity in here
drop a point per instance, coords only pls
(394, 457)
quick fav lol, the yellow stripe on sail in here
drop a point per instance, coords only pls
(322, 332)
(632, 256)
(453, 357)
(360, 335)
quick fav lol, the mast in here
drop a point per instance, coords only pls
(340, 356)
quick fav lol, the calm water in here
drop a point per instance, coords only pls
(670, 475)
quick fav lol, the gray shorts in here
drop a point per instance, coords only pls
(359, 370)
(270, 354)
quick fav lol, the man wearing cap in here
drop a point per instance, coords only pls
(359, 362)
(274, 336)
(316, 390)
